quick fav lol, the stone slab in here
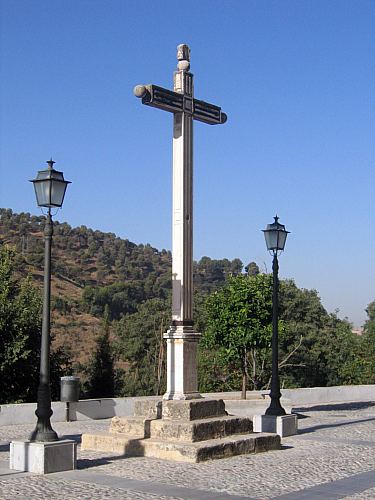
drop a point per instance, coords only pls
(284, 425)
(182, 451)
(199, 430)
(43, 458)
(194, 409)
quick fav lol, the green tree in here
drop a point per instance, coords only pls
(20, 333)
(252, 269)
(239, 317)
(100, 370)
(369, 326)
(367, 347)
(140, 347)
(20, 336)
(316, 348)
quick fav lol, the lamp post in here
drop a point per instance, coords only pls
(275, 235)
(50, 188)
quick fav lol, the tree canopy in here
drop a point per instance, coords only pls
(326, 344)
(20, 333)
(140, 347)
(239, 318)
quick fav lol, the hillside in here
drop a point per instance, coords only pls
(93, 270)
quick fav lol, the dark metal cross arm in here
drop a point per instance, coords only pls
(161, 98)
(168, 100)
(208, 113)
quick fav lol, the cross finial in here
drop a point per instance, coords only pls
(50, 163)
(276, 219)
(183, 57)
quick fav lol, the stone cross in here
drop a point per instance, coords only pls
(182, 339)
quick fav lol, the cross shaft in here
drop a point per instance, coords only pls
(181, 337)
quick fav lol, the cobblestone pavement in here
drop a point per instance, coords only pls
(332, 457)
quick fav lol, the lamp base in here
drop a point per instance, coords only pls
(283, 425)
(43, 457)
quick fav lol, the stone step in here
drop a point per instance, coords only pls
(182, 451)
(199, 430)
(110, 442)
(193, 409)
(131, 426)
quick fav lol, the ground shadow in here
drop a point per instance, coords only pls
(286, 447)
(15, 473)
(337, 424)
(300, 416)
(336, 406)
(87, 463)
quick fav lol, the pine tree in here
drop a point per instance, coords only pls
(100, 369)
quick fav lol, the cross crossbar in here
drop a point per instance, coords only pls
(175, 102)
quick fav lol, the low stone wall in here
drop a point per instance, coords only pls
(255, 404)
(326, 395)
(86, 409)
(308, 396)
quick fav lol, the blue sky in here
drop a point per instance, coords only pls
(296, 78)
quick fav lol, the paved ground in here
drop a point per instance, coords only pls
(332, 457)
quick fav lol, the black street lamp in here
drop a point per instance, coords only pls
(275, 235)
(50, 189)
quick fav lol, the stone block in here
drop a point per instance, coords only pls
(194, 409)
(283, 425)
(205, 450)
(199, 430)
(43, 458)
(131, 426)
(149, 408)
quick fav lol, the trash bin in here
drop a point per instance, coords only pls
(69, 389)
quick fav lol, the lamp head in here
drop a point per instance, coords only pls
(50, 187)
(275, 235)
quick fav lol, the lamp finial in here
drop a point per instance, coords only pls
(50, 163)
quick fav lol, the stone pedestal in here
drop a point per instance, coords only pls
(188, 431)
(43, 458)
(182, 383)
(284, 425)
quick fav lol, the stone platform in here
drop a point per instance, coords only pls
(189, 431)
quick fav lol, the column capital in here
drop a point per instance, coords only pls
(185, 332)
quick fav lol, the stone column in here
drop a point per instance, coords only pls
(182, 340)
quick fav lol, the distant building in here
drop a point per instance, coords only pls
(357, 331)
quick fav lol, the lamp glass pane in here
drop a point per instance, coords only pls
(282, 239)
(42, 192)
(57, 192)
(271, 239)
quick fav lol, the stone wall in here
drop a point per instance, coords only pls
(256, 403)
